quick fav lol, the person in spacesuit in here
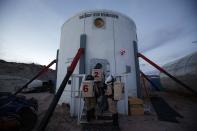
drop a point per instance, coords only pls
(112, 104)
(90, 102)
(101, 98)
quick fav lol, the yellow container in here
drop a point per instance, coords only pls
(136, 106)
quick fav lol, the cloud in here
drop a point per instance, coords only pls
(162, 36)
(166, 35)
(1, 47)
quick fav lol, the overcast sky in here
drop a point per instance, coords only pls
(30, 29)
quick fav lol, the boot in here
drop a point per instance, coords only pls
(88, 113)
(115, 119)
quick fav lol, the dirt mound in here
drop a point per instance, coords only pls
(14, 75)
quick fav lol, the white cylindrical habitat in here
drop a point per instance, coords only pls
(110, 40)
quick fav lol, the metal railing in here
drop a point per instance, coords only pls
(76, 96)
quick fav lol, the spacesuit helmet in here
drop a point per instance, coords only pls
(109, 79)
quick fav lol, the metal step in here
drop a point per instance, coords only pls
(106, 118)
(99, 127)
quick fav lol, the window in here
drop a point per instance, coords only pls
(99, 22)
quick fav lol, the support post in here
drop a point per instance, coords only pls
(82, 60)
(168, 74)
(57, 96)
(137, 69)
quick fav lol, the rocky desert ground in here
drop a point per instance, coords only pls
(14, 75)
